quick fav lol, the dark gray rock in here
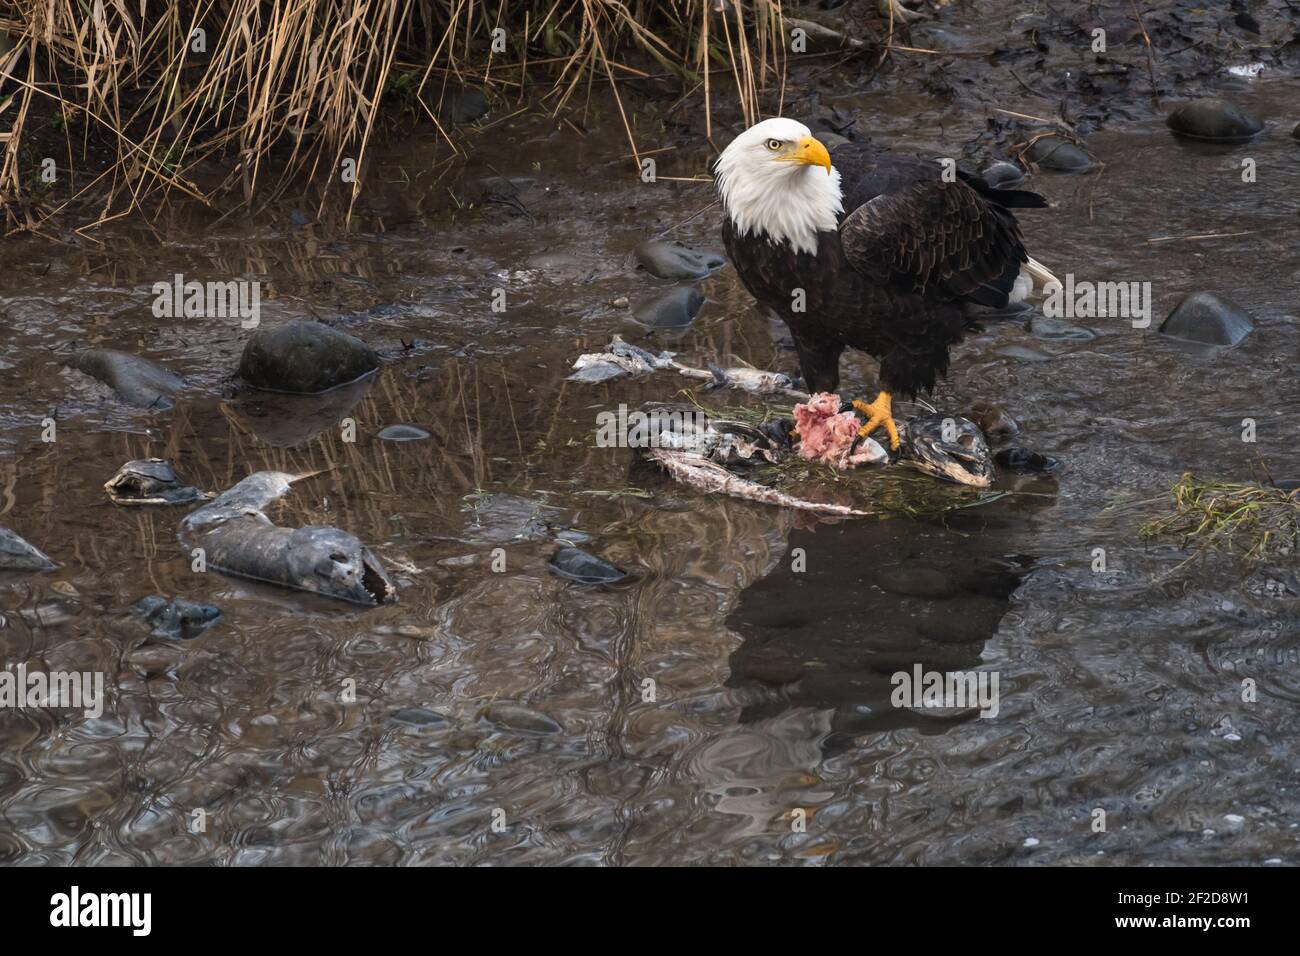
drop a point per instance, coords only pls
(1204, 317)
(1040, 326)
(1054, 152)
(1214, 119)
(17, 555)
(404, 433)
(177, 620)
(675, 309)
(1026, 461)
(578, 565)
(304, 357)
(668, 260)
(136, 381)
(463, 105)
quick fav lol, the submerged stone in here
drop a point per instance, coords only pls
(419, 717)
(1026, 461)
(1204, 317)
(304, 357)
(17, 555)
(1024, 353)
(520, 719)
(404, 433)
(136, 381)
(993, 421)
(176, 619)
(1215, 119)
(1040, 326)
(578, 565)
(674, 309)
(667, 260)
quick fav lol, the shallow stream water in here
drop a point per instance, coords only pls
(1119, 690)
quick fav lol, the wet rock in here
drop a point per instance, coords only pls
(404, 433)
(136, 381)
(420, 717)
(1024, 353)
(1026, 461)
(675, 309)
(1058, 330)
(994, 422)
(668, 260)
(519, 719)
(150, 481)
(17, 555)
(304, 357)
(578, 565)
(177, 619)
(1204, 317)
(463, 105)
(1002, 175)
(916, 582)
(1295, 133)
(1214, 119)
(1056, 153)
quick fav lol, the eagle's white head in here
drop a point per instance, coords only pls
(777, 181)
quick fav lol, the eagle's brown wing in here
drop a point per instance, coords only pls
(939, 239)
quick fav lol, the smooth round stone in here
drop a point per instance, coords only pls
(1204, 317)
(404, 433)
(916, 582)
(675, 309)
(667, 260)
(1026, 461)
(1040, 326)
(1214, 119)
(1053, 152)
(577, 565)
(1024, 353)
(304, 357)
(993, 421)
(1002, 175)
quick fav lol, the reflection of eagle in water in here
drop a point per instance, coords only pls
(875, 252)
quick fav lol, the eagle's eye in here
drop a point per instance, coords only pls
(774, 144)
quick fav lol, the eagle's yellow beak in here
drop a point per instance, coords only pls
(811, 152)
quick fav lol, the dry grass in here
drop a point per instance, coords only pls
(281, 89)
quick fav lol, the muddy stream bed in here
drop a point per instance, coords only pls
(518, 696)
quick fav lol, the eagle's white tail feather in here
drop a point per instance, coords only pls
(1033, 276)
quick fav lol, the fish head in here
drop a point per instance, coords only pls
(334, 563)
(948, 447)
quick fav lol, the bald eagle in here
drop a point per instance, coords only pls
(857, 248)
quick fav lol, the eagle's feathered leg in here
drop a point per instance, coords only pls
(819, 361)
(879, 413)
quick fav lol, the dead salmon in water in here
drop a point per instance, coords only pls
(238, 538)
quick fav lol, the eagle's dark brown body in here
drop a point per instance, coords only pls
(910, 252)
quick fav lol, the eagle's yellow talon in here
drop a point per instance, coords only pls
(878, 414)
